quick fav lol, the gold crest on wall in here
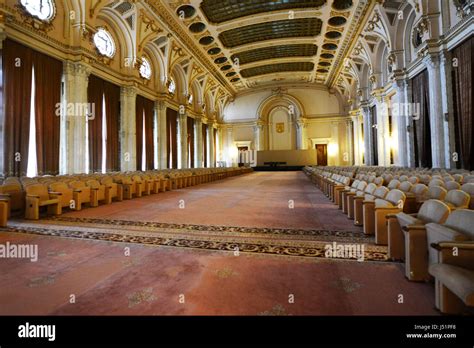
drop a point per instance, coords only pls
(280, 127)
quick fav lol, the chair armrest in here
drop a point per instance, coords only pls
(32, 196)
(467, 245)
(459, 254)
(56, 193)
(414, 228)
(5, 195)
(94, 188)
(77, 190)
(369, 202)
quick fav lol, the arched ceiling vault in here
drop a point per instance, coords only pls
(255, 43)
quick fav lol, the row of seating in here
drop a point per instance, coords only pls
(27, 195)
(419, 215)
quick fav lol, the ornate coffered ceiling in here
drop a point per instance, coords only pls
(268, 42)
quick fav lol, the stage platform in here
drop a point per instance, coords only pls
(277, 168)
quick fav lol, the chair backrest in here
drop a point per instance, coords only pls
(381, 192)
(38, 190)
(93, 183)
(468, 188)
(7, 188)
(458, 198)
(458, 177)
(436, 182)
(379, 181)
(370, 189)
(77, 184)
(414, 180)
(403, 178)
(59, 187)
(452, 185)
(462, 221)
(395, 197)
(355, 183)
(433, 210)
(405, 186)
(437, 192)
(361, 186)
(394, 184)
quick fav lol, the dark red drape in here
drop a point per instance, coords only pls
(139, 130)
(422, 129)
(204, 144)
(172, 137)
(215, 146)
(190, 141)
(17, 74)
(112, 117)
(95, 94)
(145, 107)
(48, 75)
(463, 75)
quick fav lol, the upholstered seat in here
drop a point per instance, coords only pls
(3, 212)
(359, 190)
(453, 271)
(15, 195)
(469, 189)
(457, 199)
(402, 224)
(37, 196)
(81, 193)
(97, 192)
(112, 189)
(64, 193)
(391, 204)
(368, 209)
(345, 192)
(437, 192)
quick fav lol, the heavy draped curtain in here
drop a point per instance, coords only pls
(172, 137)
(144, 106)
(190, 125)
(204, 144)
(99, 90)
(18, 61)
(422, 129)
(463, 74)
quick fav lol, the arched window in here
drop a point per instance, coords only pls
(104, 43)
(42, 9)
(145, 69)
(171, 86)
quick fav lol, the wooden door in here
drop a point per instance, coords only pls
(322, 154)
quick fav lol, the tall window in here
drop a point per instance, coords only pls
(32, 168)
(104, 136)
(145, 69)
(42, 9)
(143, 143)
(104, 43)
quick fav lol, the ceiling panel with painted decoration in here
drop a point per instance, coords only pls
(255, 43)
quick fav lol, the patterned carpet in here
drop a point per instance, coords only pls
(276, 241)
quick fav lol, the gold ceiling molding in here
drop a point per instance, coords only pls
(170, 20)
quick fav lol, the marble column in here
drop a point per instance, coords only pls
(301, 134)
(348, 158)
(73, 145)
(198, 145)
(128, 149)
(259, 136)
(356, 143)
(230, 146)
(399, 113)
(446, 66)
(182, 139)
(368, 141)
(160, 117)
(3, 36)
(432, 62)
(210, 145)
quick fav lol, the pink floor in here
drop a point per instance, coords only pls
(169, 280)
